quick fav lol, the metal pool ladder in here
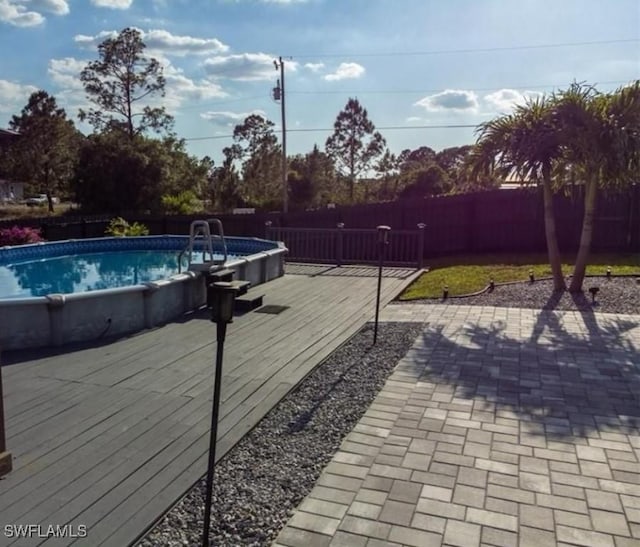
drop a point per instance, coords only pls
(200, 235)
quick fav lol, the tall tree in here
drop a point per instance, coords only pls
(602, 135)
(121, 83)
(46, 152)
(429, 181)
(388, 170)
(225, 183)
(120, 176)
(528, 143)
(256, 145)
(312, 180)
(355, 143)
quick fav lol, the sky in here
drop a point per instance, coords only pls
(421, 68)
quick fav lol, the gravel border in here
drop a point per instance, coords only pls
(261, 481)
(616, 295)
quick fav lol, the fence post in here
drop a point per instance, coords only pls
(5, 456)
(420, 262)
(339, 243)
(267, 229)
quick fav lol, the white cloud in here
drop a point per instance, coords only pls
(450, 99)
(504, 100)
(112, 4)
(346, 71)
(314, 67)
(413, 119)
(182, 45)
(14, 96)
(65, 73)
(27, 13)
(244, 67)
(180, 88)
(160, 41)
(229, 119)
(89, 42)
(57, 7)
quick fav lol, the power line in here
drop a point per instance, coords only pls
(471, 50)
(388, 92)
(419, 91)
(219, 103)
(325, 129)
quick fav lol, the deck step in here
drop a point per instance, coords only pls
(240, 285)
(220, 275)
(248, 303)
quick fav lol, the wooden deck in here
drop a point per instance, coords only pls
(110, 436)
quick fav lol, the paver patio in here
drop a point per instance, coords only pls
(511, 427)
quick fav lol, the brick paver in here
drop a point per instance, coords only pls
(499, 427)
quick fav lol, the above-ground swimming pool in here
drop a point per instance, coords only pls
(69, 291)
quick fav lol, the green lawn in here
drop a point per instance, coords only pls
(469, 274)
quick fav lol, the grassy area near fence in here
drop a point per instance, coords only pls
(21, 211)
(468, 274)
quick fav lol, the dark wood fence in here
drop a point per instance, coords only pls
(342, 245)
(498, 221)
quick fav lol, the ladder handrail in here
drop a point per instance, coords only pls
(202, 229)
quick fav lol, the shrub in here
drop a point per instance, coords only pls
(17, 235)
(119, 227)
(183, 203)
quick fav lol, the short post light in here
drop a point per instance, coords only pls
(222, 297)
(339, 243)
(608, 272)
(445, 292)
(383, 241)
(532, 277)
(594, 291)
(492, 284)
(420, 261)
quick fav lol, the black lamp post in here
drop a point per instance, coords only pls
(383, 241)
(222, 296)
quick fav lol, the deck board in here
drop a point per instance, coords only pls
(111, 435)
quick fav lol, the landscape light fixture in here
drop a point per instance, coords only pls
(608, 272)
(594, 291)
(445, 292)
(383, 241)
(222, 297)
(531, 276)
(492, 285)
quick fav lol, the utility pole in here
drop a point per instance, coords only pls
(278, 94)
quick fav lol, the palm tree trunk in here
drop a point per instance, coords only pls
(550, 231)
(585, 237)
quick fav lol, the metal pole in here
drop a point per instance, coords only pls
(285, 189)
(383, 235)
(221, 332)
(375, 327)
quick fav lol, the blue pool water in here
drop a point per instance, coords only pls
(88, 272)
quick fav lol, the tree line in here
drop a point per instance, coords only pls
(133, 160)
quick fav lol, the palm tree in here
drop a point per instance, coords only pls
(602, 136)
(528, 144)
